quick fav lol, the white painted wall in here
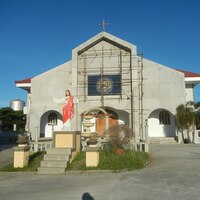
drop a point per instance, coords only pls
(189, 92)
(155, 129)
(48, 128)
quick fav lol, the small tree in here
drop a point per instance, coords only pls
(187, 117)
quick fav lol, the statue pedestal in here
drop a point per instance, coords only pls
(92, 156)
(21, 155)
(67, 139)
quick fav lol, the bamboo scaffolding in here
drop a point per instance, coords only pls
(126, 65)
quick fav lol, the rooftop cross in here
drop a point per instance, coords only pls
(103, 25)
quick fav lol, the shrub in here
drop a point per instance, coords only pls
(119, 135)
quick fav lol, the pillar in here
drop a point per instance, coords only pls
(21, 156)
(92, 156)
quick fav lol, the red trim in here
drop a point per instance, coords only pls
(28, 80)
(188, 74)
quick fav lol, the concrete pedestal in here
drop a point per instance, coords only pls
(67, 139)
(21, 156)
(92, 156)
(196, 137)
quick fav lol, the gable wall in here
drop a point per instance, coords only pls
(44, 87)
(163, 87)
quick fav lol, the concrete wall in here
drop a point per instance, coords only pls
(44, 87)
(189, 92)
(163, 87)
(95, 55)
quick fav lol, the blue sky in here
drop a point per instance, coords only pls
(37, 35)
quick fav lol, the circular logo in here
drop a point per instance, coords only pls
(104, 85)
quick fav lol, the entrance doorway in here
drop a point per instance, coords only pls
(101, 121)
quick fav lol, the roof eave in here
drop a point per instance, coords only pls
(24, 86)
(192, 80)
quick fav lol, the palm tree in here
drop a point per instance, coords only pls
(185, 119)
(197, 114)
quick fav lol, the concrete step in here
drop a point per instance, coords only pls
(53, 163)
(59, 151)
(56, 157)
(51, 170)
(163, 140)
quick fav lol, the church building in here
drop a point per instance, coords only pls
(110, 84)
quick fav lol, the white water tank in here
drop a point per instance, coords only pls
(17, 104)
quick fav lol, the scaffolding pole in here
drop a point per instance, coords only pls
(128, 66)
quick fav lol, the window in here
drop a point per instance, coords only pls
(106, 85)
(52, 119)
(164, 118)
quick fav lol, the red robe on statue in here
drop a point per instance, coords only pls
(68, 110)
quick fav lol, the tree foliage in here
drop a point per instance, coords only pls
(184, 117)
(9, 117)
(187, 117)
(197, 115)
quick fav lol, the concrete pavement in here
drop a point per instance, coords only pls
(173, 174)
(6, 155)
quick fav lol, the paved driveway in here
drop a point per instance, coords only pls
(173, 174)
(6, 155)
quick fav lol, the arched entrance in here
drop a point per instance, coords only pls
(161, 123)
(103, 118)
(49, 122)
(101, 121)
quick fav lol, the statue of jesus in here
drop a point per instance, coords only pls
(67, 109)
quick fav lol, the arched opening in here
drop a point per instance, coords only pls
(49, 122)
(161, 123)
(53, 119)
(101, 121)
(103, 118)
(164, 117)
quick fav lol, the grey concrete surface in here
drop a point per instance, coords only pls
(173, 174)
(6, 155)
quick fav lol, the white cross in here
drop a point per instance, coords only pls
(103, 25)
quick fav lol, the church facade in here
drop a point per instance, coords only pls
(111, 84)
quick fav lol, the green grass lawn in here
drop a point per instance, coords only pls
(109, 160)
(130, 160)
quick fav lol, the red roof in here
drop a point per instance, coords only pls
(188, 74)
(28, 80)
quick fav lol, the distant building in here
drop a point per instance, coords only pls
(113, 84)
